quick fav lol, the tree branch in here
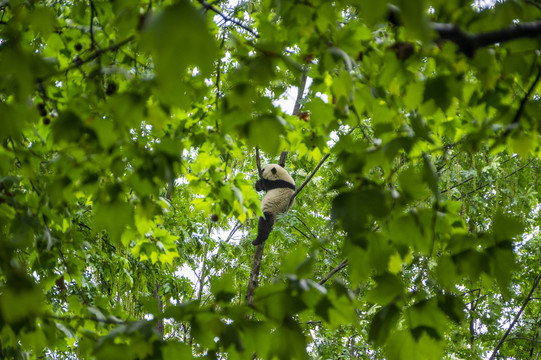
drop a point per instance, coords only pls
(526, 301)
(469, 43)
(227, 18)
(308, 178)
(340, 266)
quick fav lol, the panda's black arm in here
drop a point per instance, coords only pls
(264, 228)
(260, 185)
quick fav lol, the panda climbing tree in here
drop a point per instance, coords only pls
(279, 196)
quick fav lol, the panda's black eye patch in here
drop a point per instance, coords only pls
(274, 170)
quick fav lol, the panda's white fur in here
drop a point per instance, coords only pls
(279, 187)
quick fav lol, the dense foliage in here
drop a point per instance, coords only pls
(128, 138)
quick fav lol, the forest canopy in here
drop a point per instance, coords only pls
(131, 134)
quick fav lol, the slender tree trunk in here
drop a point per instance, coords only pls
(160, 325)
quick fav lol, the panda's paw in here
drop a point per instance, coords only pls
(258, 241)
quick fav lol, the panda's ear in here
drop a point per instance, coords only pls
(273, 171)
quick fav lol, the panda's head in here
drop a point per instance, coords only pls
(275, 172)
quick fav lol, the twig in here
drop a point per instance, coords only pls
(457, 185)
(235, 228)
(227, 18)
(306, 226)
(526, 301)
(342, 265)
(303, 234)
(438, 170)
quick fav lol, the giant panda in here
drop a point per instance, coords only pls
(279, 187)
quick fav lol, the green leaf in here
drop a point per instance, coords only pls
(447, 272)
(354, 208)
(437, 89)
(265, 133)
(43, 20)
(403, 346)
(223, 287)
(388, 289)
(114, 217)
(410, 230)
(503, 265)
(412, 184)
(178, 38)
(414, 16)
(452, 306)
(522, 144)
(288, 342)
(425, 316)
(373, 12)
(506, 227)
(176, 350)
(383, 323)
